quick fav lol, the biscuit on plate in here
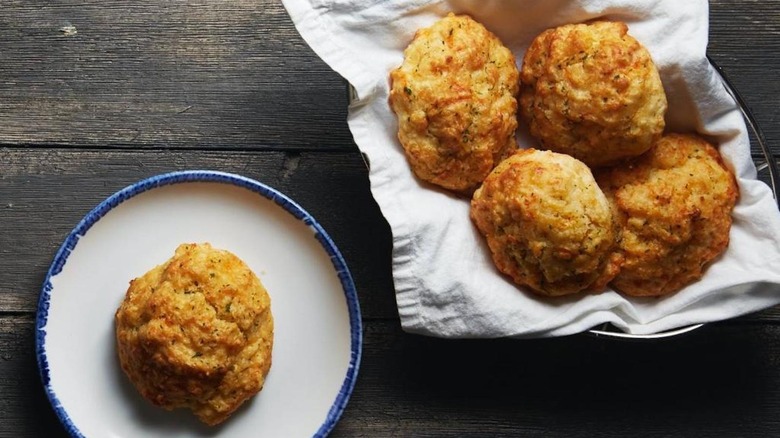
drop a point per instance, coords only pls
(592, 91)
(547, 223)
(196, 332)
(455, 99)
(674, 205)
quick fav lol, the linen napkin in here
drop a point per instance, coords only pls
(446, 284)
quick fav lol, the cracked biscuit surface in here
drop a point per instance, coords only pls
(196, 332)
(674, 205)
(592, 91)
(547, 223)
(455, 99)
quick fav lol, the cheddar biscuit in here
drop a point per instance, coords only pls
(674, 205)
(592, 91)
(547, 223)
(196, 332)
(455, 99)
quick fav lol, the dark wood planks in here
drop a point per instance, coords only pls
(24, 409)
(187, 74)
(237, 74)
(575, 386)
(416, 386)
(45, 192)
(745, 42)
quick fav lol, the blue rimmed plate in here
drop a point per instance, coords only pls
(318, 334)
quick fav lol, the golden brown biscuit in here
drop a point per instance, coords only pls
(196, 332)
(674, 204)
(592, 91)
(455, 98)
(547, 223)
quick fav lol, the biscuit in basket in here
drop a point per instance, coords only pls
(196, 332)
(455, 99)
(674, 205)
(592, 91)
(547, 223)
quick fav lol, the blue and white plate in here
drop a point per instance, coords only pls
(318, 334)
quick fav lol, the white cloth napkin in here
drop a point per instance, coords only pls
(446, 284)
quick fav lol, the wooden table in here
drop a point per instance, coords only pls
(142, 88)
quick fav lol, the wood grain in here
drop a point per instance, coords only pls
(44, 193)
(174, 74)
(745, 42)
(574, 386)
(237, 74)
(577, 386)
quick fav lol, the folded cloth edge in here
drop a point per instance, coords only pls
(309, 23)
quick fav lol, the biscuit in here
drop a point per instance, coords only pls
(592, 91)
(455, 99)
(196, 332)
(674, 206)
(547, 223)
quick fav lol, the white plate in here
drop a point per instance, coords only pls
(317, 343)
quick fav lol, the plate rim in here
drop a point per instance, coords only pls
(207, 176)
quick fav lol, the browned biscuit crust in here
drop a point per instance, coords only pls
(196, 332)
(547, 223)
(674, 204)
(455, 99)
(592, 91)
